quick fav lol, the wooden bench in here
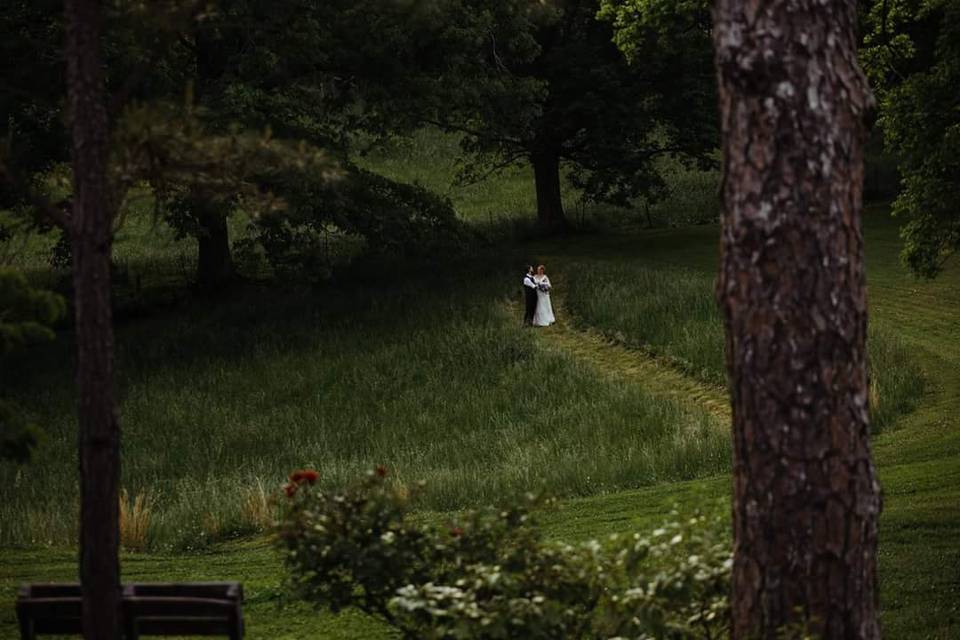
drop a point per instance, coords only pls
(159, 609)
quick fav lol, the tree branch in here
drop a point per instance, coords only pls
(510, 159)
(55, 213)
(473, 132)
(119, 99)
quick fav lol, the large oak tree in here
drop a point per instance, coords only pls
(806, 498)
(540, 84)
(606, 120)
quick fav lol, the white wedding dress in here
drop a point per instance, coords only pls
(544, 315)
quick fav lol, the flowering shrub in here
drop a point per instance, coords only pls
(491, 574)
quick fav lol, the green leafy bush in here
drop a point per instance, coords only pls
(27, 316)
(491, 574)
(393, 219)
(293, 251)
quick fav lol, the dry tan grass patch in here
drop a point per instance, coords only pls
(134, 520)
(257, 507)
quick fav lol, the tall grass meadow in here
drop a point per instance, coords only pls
(427, 376)
(670, 313)
(425, 373)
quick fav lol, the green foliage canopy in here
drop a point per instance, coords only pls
(606, 119)
(522, 82)
(32, 92)
(912, 54)
(216, 146)
(172, 149)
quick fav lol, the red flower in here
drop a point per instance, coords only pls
(456, 532)
(290, 489)
(304, 475)
(381, 471)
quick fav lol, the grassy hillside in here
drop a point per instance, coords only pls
(433, 378)
(432, 375)
(918, 454)
(669, 311)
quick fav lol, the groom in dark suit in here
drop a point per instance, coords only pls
(529, 296)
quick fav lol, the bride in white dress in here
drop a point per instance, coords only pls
(544, 315)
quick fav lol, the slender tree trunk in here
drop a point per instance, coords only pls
(99, 430)
(214, 262)
(546, 171)
(806, 499)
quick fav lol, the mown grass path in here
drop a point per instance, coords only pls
(631, 366)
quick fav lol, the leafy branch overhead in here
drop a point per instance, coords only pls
(172, 150)
(912, 54)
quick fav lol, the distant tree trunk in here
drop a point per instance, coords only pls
(546, 171)
(214, 262)
(806, 498)
(99, 429)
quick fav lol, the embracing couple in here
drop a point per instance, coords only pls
(538, 311)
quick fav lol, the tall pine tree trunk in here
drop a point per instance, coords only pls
(806, 499)
(546, 172)
(99, 430)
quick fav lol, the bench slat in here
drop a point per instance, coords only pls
(155, 609)
(179, 607)
(59, 627)
(53, 607)
(185, 627)
(50, 590)
(220, 590)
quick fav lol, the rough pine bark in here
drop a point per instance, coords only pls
(806, 500)
(546, 173)
(99, 431)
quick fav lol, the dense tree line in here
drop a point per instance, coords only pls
(521, 82)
